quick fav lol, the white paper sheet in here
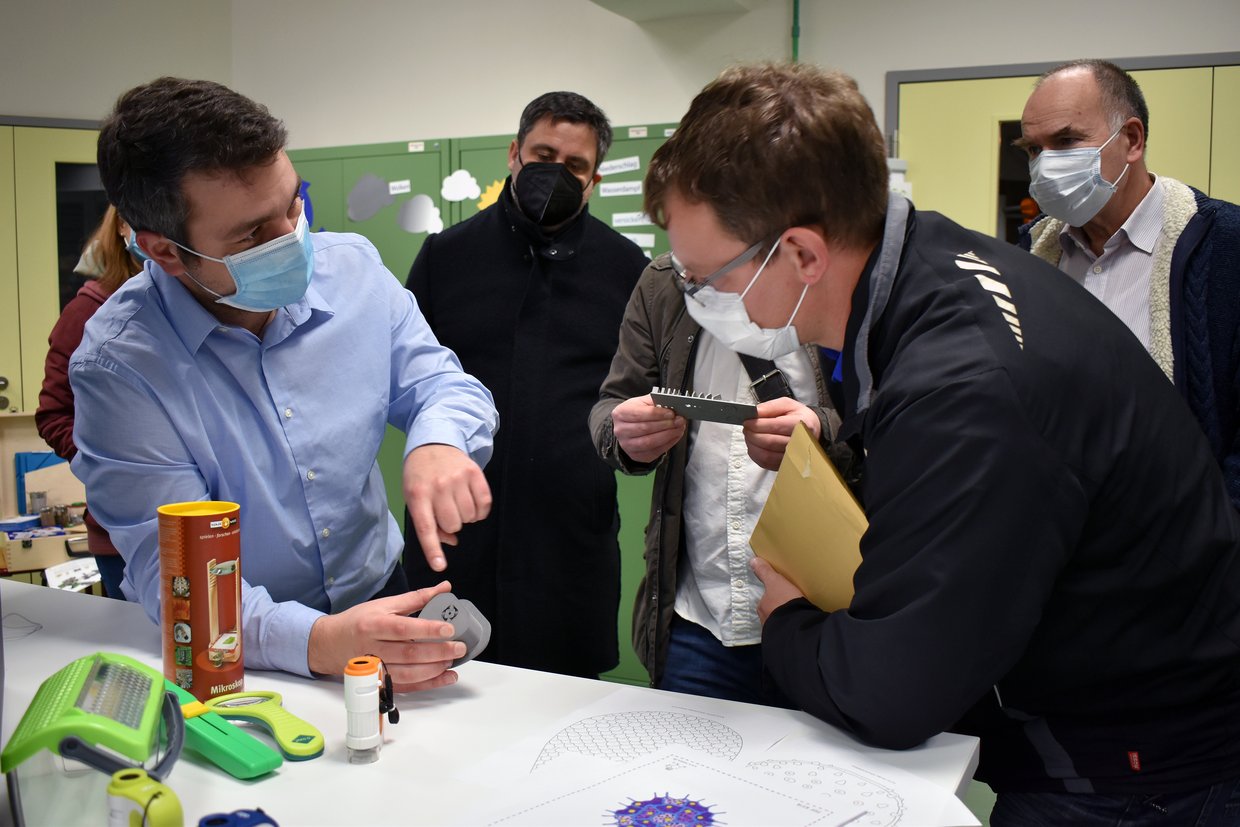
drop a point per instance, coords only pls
(668, 787)
(643, 240)
(613, 165)
(614, 188)
(745, 763)
(630, 219)
(73, 575)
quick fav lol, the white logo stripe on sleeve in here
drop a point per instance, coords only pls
(998, 291)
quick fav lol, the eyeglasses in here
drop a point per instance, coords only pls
(691, 287)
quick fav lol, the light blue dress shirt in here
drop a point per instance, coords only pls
(172, 406)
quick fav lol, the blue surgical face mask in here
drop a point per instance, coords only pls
(270, 275)
(134, 250)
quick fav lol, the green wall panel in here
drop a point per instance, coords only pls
(322, 186)
(486, 159)
(397, 229)
(368, 190)
(633, 497)
(624, 171)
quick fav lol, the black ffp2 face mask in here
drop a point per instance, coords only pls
(548, 193)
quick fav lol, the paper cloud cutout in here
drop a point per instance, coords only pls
(460, 186)
(369, 195)
(420, 215)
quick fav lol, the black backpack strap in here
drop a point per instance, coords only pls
(766, 380)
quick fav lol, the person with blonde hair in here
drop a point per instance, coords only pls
(110, 257)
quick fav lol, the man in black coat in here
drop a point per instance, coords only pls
(530, 293)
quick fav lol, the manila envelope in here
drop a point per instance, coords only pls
(811, 526)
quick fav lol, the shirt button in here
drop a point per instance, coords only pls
(738, 583)
(331, 581)
(1097, 268)
(325, 533)
(736, 524)
(222, 329)
(310, 474)
(288, 413)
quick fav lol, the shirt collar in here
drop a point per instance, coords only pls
(193, 323)
(1145, 224)
(833, 356)
(1141, 229)
(312, 308)
(869, 301)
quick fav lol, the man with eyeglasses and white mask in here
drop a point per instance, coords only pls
(254, 361)
(1051, 562)
(1160, 254)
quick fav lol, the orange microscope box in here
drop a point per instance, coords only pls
(200, 587)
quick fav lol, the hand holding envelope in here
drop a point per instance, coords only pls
(810, 529)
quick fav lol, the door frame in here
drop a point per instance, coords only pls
(891, 104)
(51, 123)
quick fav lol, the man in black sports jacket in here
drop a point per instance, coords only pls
(1052, 562)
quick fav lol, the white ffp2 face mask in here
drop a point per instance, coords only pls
(1068, 183)
(723, 315)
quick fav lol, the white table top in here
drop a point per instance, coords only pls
(421, 775)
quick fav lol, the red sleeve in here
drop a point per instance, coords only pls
(54, 418)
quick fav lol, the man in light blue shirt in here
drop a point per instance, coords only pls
(256, 362)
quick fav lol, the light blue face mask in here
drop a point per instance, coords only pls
(134, 250)
(270, 275)
(1068, 183)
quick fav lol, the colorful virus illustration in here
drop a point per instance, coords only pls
(662, 811)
